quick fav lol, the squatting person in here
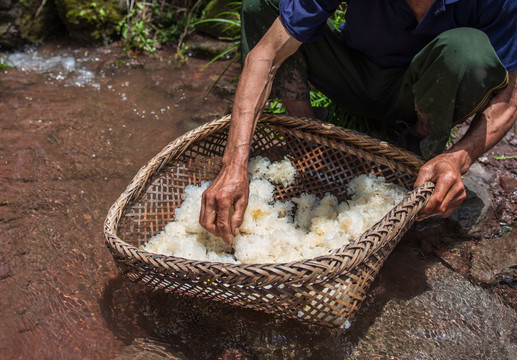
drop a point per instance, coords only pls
(425, 64)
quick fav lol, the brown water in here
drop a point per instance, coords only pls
(68, 148)
(73, 133)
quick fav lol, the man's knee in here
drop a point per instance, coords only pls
(468, 50)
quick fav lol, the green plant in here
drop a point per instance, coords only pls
(93, 11)
(5, 63)
(339, 15)
(505, 157)
(91, 21)
(137, 29)
(339, 116)
(274, 106)
(453, 136)
(180, 52)
(336, 114)
(230, 22)
(149, 24)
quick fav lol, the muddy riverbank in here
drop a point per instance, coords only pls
(70, 141)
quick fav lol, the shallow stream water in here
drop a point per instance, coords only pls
(76, 125)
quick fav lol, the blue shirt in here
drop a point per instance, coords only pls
(387, 32)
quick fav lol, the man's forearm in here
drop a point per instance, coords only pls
(445, 170)
(488, 127)
(254, 88)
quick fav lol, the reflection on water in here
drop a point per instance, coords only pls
(71, 68)
(202, 329)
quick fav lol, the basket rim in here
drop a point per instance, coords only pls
(333, 264)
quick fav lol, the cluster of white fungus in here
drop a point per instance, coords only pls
(270, 232)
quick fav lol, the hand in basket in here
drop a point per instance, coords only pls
(228, 193)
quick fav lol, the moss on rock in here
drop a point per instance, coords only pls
(90, 21)
(38, 21)
(27, 21)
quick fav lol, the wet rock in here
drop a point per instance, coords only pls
(435, 238)
(210, 47)
(452, 319)
(478, 171)
(457, 257)
(508, 295)
(495, 260)
(507, 211)
(477, 208)
(26, 22)
(506, 202)
(149, 349)
(508, 183)
(5, 271)
(90, 21)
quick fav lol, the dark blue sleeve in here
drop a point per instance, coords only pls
(498, 19)
(305, 19)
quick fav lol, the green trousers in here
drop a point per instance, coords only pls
(448, 81)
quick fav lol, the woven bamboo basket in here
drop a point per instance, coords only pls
(326, 290)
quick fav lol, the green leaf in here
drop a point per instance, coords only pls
(221, 54)
(505, 157)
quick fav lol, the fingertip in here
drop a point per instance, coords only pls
(235, 230)
(213, 230)
(227, 238)
(236, 221)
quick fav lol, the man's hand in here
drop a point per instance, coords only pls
(486, 129)
(445, 171)
(229, 192)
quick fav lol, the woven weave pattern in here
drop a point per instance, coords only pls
(326, 290)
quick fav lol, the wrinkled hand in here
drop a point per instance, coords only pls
(449, 191)
(228, 192)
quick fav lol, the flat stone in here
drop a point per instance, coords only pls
(494, 261)
(211, 47)
(477, 208)
(477, 170)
